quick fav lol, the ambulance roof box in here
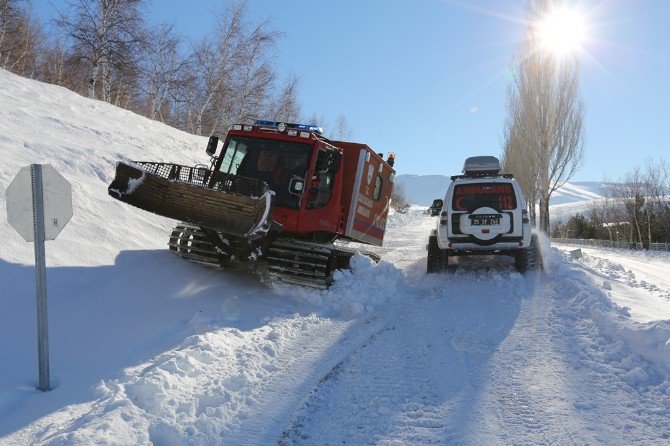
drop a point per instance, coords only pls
(481, 165)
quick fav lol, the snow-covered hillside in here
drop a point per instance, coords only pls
(149, 349)
(83, 140)
(576, 192)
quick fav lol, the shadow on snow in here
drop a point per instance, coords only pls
(106, 318)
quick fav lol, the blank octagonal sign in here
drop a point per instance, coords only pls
(57, 196)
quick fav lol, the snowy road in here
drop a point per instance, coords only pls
(476, 355)
(486, 357)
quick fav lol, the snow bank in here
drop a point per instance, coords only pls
(643, 255)
(364, 288)
(633, 279)
(636, 347)
(368, 285)
(193, 394)
(615, 272)
(400, 219)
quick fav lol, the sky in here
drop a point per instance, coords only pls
(427, 79)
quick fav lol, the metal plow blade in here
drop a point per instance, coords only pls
(235, 205)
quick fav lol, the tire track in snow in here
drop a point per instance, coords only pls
(488, 357)
(300, 366)
(557, 379)
(523, 396)
(358, 404)
(293, 430)
(411, 384)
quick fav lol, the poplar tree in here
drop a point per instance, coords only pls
(544, 135)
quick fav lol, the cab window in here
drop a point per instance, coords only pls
(379, 183)
(322, 183)
(233, 156)
(272, 161)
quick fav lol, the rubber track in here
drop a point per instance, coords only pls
(300, 263)
(191, 243)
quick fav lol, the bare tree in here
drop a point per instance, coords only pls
(104, 50)
(255, 76)
(28, 37)
(106, 34)
(20, 38)
(399, 201)
(234, 78)
(162, 67)
(657, 179)
(629, 193)
(316, 119)
(545, 112)
(11, 15)
(342, 130)
(53, 64)
(518, 159)
(608, 213)
(286, 107)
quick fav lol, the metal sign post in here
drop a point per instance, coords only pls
(40, 277)
(39, 205)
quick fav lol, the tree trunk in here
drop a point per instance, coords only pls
(544, 215)
(154, 106)
(105, 81)
(533, 213)
(92, 80)
(636, 220)
(648, 223)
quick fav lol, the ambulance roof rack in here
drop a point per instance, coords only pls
(507, 176)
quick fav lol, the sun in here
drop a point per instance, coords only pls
(562, 31)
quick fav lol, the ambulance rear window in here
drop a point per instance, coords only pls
(469, 197)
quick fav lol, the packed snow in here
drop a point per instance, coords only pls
(149, 349)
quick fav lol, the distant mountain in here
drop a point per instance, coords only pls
(579, 191)
(423, 189)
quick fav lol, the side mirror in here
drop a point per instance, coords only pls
(211, 145)
(296, 185)
(436, 208)
(334, 161)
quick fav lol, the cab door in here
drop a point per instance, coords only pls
(322, 210)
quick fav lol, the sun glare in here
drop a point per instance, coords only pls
(562, 32)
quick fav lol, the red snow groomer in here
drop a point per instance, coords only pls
(276, 194)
